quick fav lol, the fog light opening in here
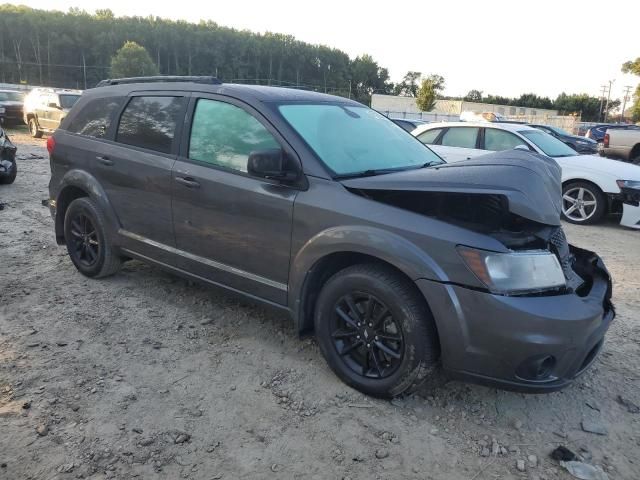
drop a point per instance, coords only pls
(537, 368)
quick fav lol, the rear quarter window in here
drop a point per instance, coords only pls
(150, 122)
(94, 118)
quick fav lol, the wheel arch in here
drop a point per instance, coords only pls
(77, 184)
(336, 249)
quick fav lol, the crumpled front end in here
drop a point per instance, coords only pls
(532, 343)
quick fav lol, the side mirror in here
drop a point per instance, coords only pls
(270, 164)
(524, 148)
(54, 105)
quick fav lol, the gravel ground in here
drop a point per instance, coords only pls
(146, 375)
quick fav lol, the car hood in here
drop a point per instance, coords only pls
(606, 166)
(10, 103)
(530, 182)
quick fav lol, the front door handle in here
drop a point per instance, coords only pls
(104, 160)
(188, 182)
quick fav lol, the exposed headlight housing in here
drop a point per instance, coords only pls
(635, 184)
(515, 272)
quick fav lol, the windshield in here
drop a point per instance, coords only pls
(551, 146)
(67, 101)
(11, 96)
(559, 131)
(353, 139)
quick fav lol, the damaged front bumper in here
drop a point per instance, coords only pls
(536, 343)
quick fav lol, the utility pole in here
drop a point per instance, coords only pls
(604, 89)
(626, 97)
(606, 110)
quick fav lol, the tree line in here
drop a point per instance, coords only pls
(590, 108)
(75, 49)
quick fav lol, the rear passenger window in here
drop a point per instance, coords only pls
(429, 136)
(150, 122)
(224, 135)
(498, 140)
(462, 137)
(95, 117)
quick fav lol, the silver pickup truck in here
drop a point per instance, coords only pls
(624, 144)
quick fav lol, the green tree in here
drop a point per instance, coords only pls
(408, 87)
(429, 91)
(132, 60)
(634, 67)
(473, 96)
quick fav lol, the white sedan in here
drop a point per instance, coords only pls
(592, 186)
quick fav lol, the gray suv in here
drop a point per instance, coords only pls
(322, 207)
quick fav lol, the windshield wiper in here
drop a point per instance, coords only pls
(366, 173)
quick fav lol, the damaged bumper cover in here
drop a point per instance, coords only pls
(536, 343)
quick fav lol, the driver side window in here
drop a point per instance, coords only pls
(224, 135)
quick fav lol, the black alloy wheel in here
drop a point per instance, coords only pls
(366, 335)
(88, 245)
(376, 331)
(84, 240)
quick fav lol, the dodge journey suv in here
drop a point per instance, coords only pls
(320, 206)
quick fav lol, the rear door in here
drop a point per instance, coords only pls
(135, 169)
(458, 143)
(231, 228)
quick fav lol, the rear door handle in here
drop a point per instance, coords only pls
(104, 160)
(188, 182)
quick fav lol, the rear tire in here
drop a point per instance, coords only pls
(376, 331)
(583, 203)
(34, 129)
(85, 229)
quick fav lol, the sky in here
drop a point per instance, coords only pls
(501, 47)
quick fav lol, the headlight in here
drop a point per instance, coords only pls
(516, 272)
(2, 110)
(635, 184)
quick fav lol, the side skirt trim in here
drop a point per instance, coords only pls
(202, 260)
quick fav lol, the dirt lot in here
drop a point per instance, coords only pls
(146, 375)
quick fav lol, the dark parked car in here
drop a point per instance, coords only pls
(579, 144)
(596, 133)
(408, 124)
(11, 102)
(321, 207)
(8, 168)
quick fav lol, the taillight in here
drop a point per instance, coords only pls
(606, 140)
(51, 144)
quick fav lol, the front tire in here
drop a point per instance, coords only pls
(85, 235)
(34, 129)
(583, 203)
(376, 331)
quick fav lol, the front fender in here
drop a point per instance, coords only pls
(80, 179)
(381, 244)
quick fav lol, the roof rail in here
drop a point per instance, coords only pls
(160, 78)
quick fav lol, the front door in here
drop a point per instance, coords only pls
(231, 228)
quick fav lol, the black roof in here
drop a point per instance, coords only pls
(261, 93)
